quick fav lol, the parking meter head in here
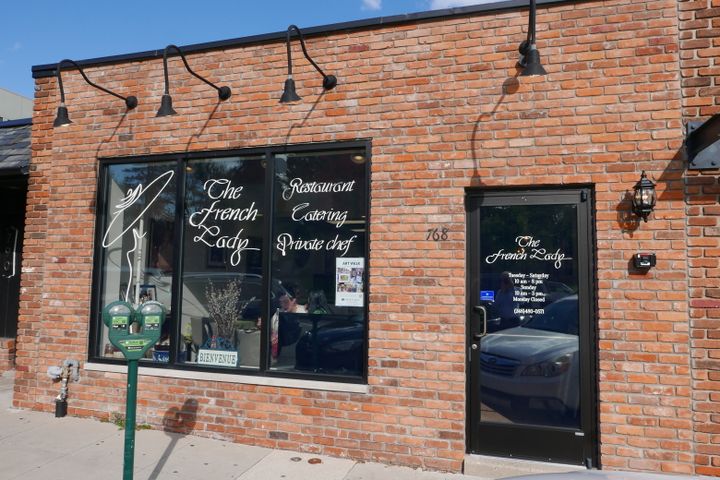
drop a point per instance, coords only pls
(152, 308)
(151, 316)
(118, 315)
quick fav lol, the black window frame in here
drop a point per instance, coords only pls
(180, 162)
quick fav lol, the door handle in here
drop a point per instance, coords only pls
(13, 262)
(481, 310)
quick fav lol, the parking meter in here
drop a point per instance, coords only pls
(133, 332)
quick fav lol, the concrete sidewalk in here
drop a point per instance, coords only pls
(38, 446)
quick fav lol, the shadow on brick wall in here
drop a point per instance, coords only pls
(123, 137)
(301, 124)
(509, 87)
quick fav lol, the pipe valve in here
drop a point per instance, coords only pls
(70, 369)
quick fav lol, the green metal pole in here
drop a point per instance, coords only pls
(130, 408)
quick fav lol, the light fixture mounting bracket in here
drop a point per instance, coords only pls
(702, 144)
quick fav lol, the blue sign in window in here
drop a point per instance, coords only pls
(487, 296)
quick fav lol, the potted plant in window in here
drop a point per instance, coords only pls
(225, 311)
(224, 308)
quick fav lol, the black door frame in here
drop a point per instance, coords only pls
(14, 188)
(563, 445)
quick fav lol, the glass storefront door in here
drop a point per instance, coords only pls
(12, 196)
(530, 335)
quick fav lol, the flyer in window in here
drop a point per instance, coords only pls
(349, 287)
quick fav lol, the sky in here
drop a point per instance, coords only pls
(38, 32)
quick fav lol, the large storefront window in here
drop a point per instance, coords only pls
(318, 264)
(222, 262)
(262, 267)
(137, 241)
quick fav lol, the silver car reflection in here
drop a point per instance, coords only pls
(536, 360)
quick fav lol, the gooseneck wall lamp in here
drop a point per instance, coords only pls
(289, 94)
(62, 117)
(644, 197)
(529, 55)
(166, 101)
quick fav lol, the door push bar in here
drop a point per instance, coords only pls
(13, 269)
(480, 309)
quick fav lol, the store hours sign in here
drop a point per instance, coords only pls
(529, 267)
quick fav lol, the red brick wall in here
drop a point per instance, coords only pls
(445, 109)
(7, 354)
(700, 68)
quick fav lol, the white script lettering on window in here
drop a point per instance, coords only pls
(307, 212)
(140, 200)
(296, 185)
(529, 249)
(286, 242)
(208, 220)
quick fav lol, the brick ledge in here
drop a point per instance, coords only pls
(230, 378)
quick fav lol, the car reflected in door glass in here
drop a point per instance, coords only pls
(530, 373)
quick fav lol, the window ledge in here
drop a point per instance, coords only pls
(231, 378)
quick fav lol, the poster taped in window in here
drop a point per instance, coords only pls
(349, 286)
(147, 293)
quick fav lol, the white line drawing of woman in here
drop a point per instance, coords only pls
(132, 197)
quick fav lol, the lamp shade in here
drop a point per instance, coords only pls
(166, 106)
(62, 117)
(289, 95)
(531, 63)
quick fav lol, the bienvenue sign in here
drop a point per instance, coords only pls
(218, 358)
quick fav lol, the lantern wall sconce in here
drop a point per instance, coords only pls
(702, 144)
(289, 95)
(644, 197)
(166, 101)
(62, 117)
(529, 56)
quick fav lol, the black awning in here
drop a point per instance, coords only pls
(15, 147)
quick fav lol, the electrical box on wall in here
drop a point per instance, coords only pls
(644, 260)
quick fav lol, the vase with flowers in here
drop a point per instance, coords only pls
(224, 306)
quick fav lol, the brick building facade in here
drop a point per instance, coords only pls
(439, 98)
(699, 40)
